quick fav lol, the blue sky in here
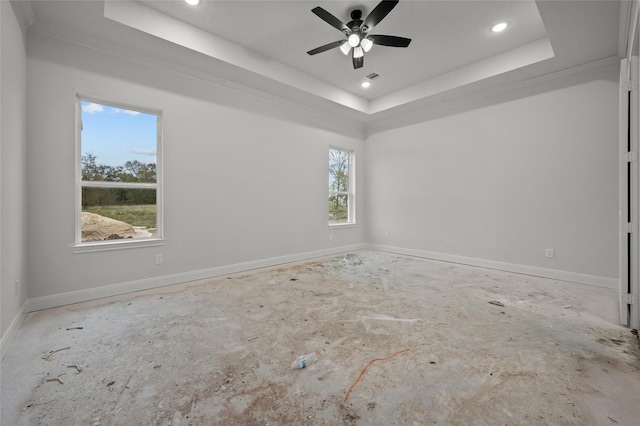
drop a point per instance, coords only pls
(115, 135)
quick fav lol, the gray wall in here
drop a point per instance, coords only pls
(506, 180)
(239, 186)
(499, 181)
(13, 166)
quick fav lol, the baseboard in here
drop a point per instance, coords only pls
(15, 325)
(52, 301)
(55, 300)
(555, 274)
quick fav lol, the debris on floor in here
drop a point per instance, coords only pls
(497, 303)
(303, 360)
(56, 379)
(47, 356)
(218, 350)
(77, 367)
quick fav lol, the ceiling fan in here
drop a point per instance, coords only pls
(359, 41)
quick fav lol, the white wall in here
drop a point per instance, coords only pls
(499, 184)
(13, 136)
(240, 186)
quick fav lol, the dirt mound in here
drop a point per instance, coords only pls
(100, 228)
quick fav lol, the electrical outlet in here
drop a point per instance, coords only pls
(550, 253)
(159, 259)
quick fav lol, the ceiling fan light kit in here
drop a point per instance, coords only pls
(354, 40)
(366, 44)
(357, 31)
(345, 48)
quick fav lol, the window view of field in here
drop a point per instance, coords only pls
(117, 213)
(119, 183)
(338, 186)
(109, 214)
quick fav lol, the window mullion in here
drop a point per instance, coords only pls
(108, 184)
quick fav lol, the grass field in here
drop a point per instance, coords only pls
(338, 214)
(144, 215)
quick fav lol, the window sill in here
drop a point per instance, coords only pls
(342, 225)
(116, 245)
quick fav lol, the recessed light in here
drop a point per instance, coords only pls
(192, 2)
(365, 84)
(497, 28)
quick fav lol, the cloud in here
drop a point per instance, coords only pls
(125, 111)
(144, 151)
(91, 108)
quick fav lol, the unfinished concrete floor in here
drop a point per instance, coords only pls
(219, 351)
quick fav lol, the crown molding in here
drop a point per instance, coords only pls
(319, 111)
(27, 12)
(627, 32)
(487, 95)
(150, 21)
(338, 123)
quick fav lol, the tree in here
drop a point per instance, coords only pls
(89, 167)
(339, 180)
(132, 171)
(338, 170)
(135, 171)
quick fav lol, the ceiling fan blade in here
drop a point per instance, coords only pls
(326, 47)
(358, 62)
(393, 41)
(330, 19)
(378, 13)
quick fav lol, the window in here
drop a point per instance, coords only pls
(341, 187)
(118, 173)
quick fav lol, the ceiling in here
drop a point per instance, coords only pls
(285, 30)
(262, 45)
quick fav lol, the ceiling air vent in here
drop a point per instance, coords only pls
(373, 76)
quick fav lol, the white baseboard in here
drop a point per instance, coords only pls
(555, 274)
(84, 295)
(52, 301)
(15, 325)
(55, 300)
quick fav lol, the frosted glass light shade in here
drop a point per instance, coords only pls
(366, 44)
(345, 47)
(354, 40)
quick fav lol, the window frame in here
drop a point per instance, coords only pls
(89, 246)
(351, 193)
